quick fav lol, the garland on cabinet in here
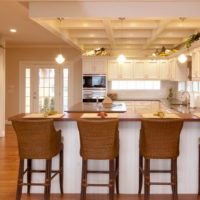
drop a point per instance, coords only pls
(191, 39)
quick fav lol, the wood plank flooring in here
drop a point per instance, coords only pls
(9, 169)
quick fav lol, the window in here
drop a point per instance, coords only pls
(181, 86)
(65, 89)
(191, 86)
(27, 90)
(135, 85)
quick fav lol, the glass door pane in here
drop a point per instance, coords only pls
(27, 90)
(46, 94)
(65, 89)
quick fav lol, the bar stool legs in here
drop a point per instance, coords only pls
(20, 180)
(199, 173)
(84, 179)
(140, 174)
(49, 175)
(113, 178)
(29, 175)
(61, 171)
(117, 176)
(146, 179)
(146, 171)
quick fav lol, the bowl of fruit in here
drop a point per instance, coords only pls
(159, 114)
(102, 114)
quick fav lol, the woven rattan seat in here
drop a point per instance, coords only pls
(159, 139)
(38, 139)
(99, 140)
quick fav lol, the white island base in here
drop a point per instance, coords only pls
(128, 167)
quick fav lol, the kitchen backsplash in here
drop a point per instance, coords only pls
(146, 94)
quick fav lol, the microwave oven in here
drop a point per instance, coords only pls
(94, 82)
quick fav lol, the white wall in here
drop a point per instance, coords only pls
(2, 90)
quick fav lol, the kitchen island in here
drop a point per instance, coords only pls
(129, 128)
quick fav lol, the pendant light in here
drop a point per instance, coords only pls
(60, 58)
(121, 58)
(182, 58)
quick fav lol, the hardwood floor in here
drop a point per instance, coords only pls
(9, 170)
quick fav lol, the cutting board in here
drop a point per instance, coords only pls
(40, 115)
(95, 115)
(167, 115)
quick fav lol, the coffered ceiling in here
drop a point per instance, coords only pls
(136, 35)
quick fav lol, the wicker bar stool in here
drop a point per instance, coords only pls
(159, 139)
(99, 140)
(38, 139)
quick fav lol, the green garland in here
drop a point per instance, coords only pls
(191, 39)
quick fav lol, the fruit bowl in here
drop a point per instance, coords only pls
(102, 114)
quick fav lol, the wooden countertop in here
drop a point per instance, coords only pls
(122, 117)
(117, 107)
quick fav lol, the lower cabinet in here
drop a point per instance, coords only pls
(142, 106)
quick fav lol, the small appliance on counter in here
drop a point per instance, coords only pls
(107, 102)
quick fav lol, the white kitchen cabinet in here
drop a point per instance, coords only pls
(126, 70)
(146, 69)
(178, 71)
(113, 70)
(142, 106)
(196, 64)
(164, 69)
(139, 69)
(151, 69)
(94, 65)
(120, 71)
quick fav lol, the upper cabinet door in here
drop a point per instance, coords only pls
(139, 69)
(172, 67)
(196, 64)
(94, 65)
(100, 64)
(151, 70)
(87, 65)
(126, 70)
(113, 70)
(164, 69)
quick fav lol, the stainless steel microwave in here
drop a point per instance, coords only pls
(94, 82)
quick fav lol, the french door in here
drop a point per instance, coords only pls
(43, 87)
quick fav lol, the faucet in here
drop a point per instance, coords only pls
(186, 95)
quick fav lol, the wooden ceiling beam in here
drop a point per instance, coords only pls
(109, 31)
(161, 27)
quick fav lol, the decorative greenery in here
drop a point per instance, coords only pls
(96, 52)
(163, 52)
(49, 105)
(170, 94)
(191, 39)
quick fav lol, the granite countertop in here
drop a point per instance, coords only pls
(117, 107)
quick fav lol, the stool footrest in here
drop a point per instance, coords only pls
(98, 172)
(97, 185)
(160, 183)
(160, 171)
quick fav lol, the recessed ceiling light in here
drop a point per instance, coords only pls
(13, 30)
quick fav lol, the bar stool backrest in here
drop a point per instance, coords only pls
(37, 139)
(99, 139)
(159, 138)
